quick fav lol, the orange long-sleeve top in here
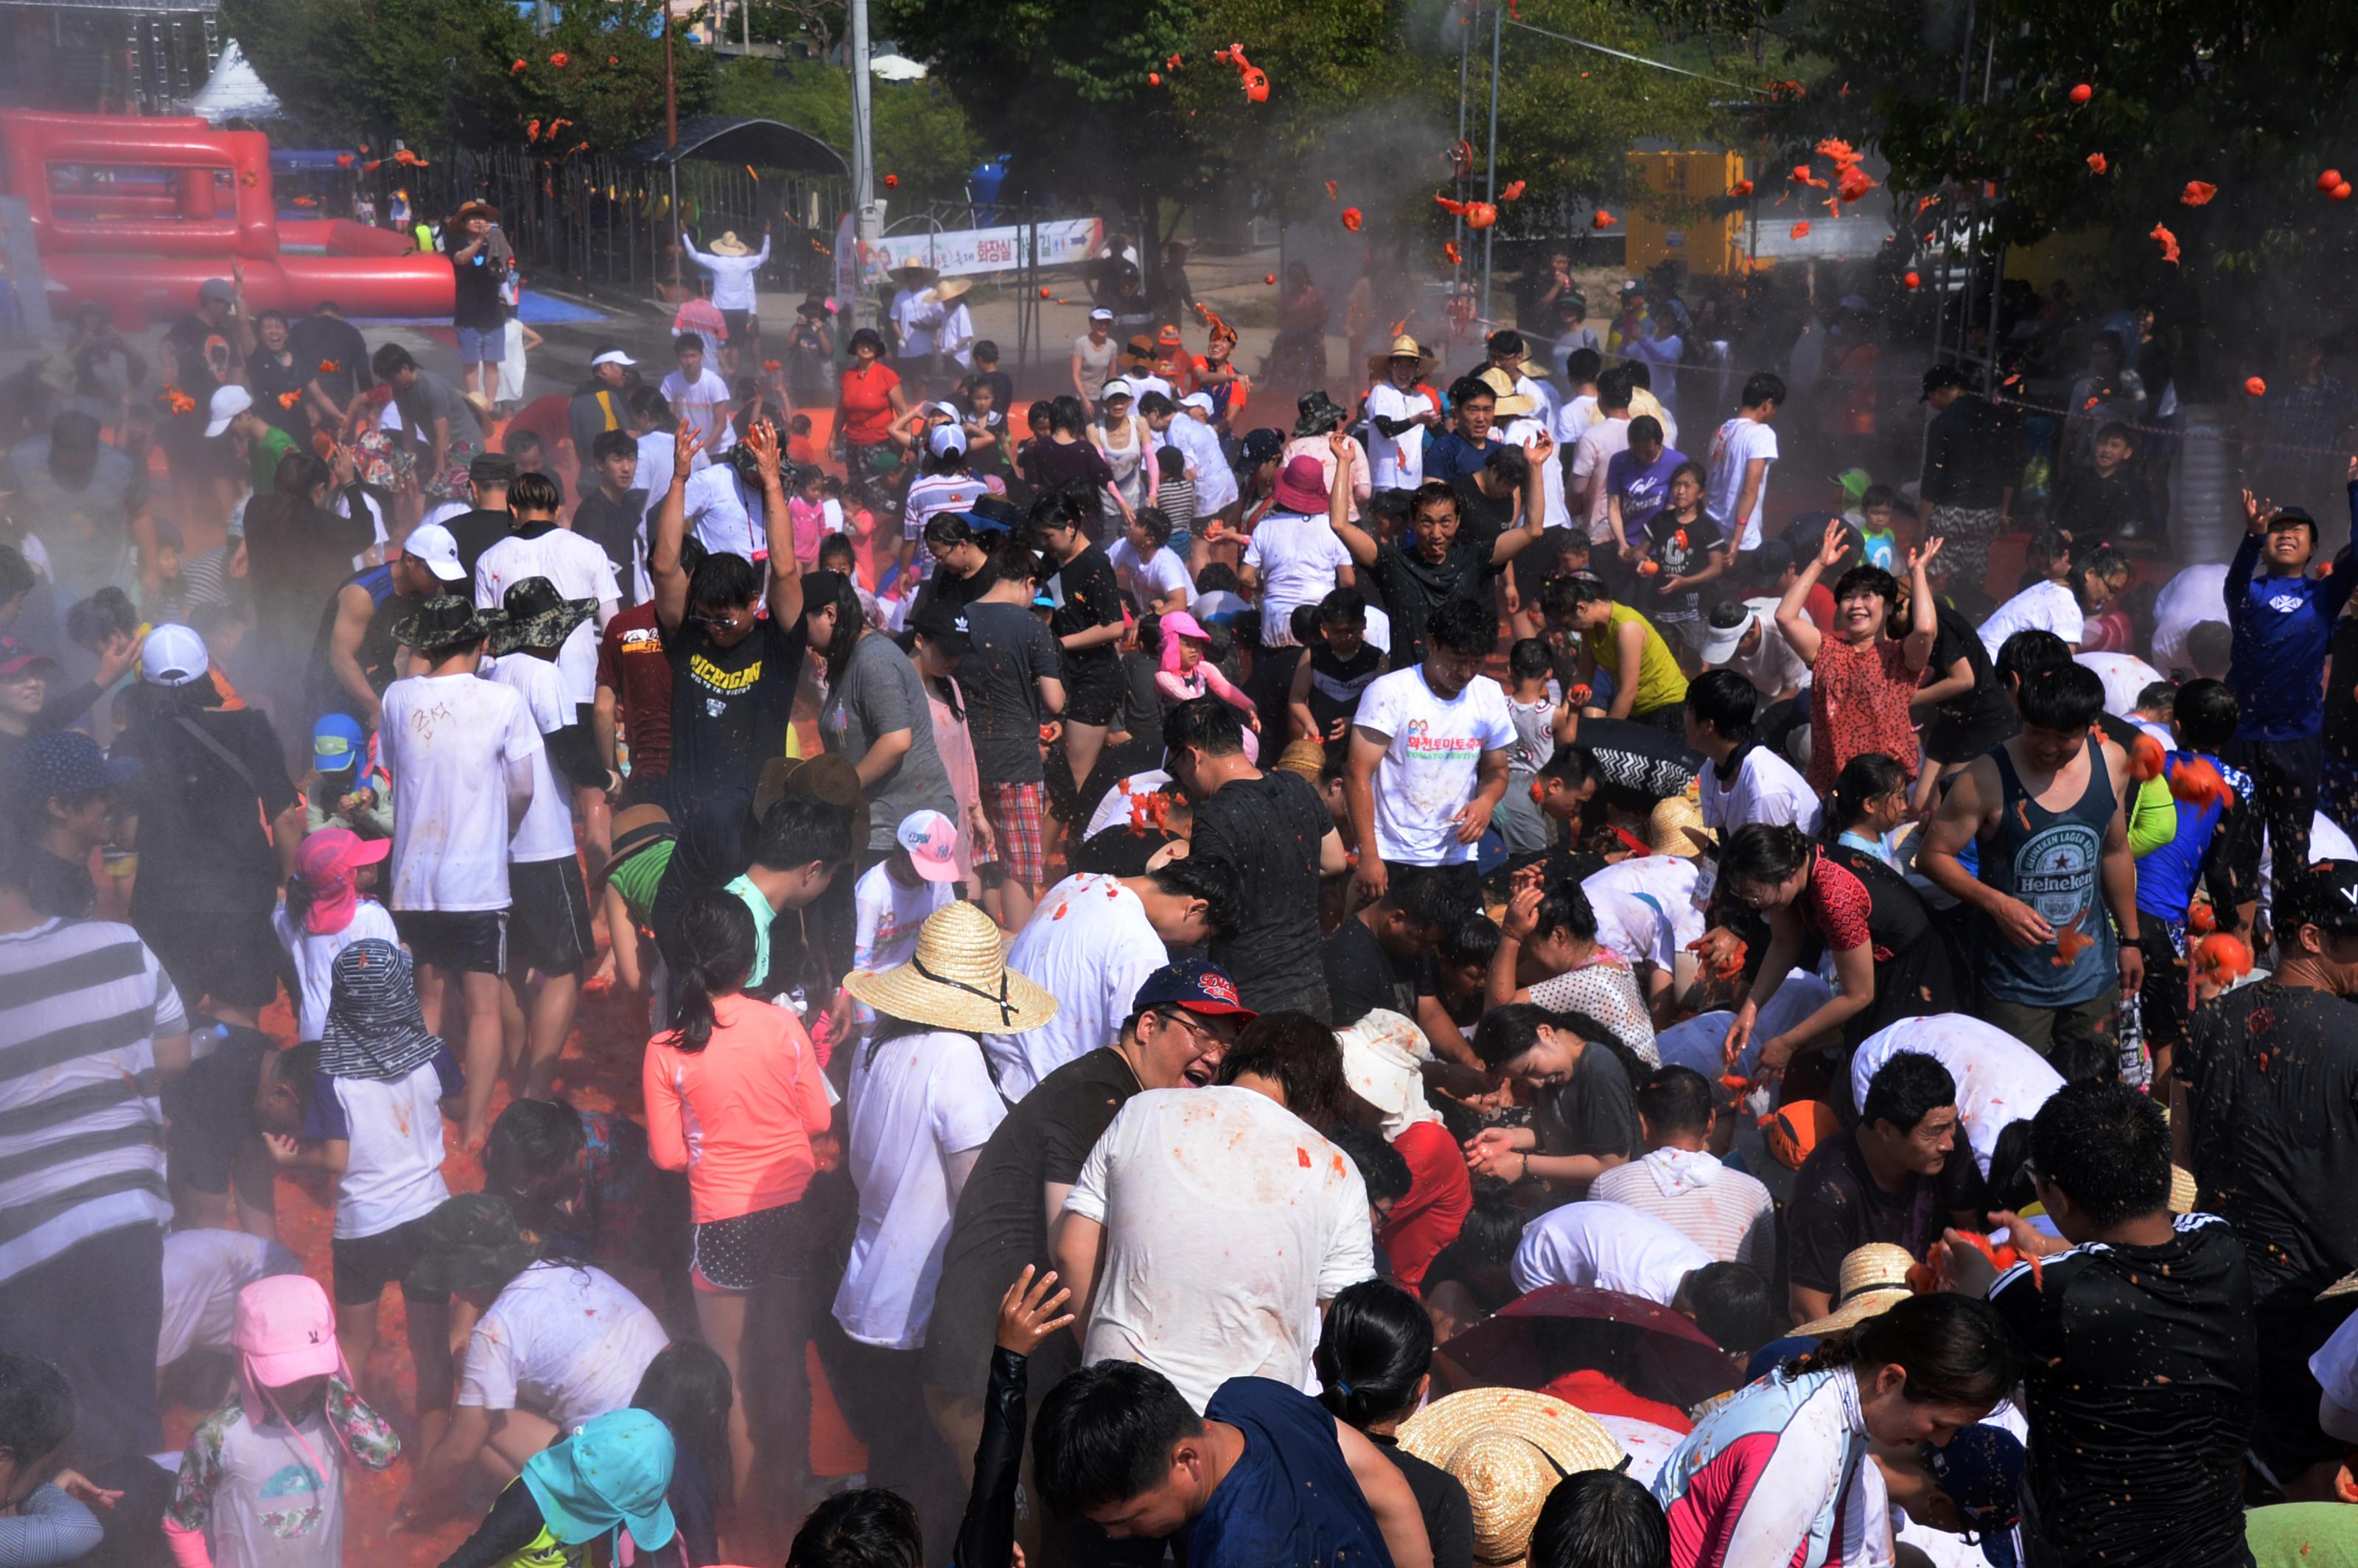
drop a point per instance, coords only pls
(738, 1116)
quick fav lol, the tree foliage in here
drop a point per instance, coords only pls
(436, 71)
(922, 138)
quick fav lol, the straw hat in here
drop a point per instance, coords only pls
(915, 275)
(1403, 348)
(1873, 1280)
(949, 289)
(1508, 1448)
(1305, 759)
(1676, 827)
(958, 979)
(728, 245)
(2183, 1195)
(1510, 403)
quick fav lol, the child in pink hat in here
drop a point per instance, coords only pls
(328, 910)
(262, 1480)
(1188, 672)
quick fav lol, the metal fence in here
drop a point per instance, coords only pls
(609, 224)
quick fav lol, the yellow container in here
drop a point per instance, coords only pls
(1671, 217)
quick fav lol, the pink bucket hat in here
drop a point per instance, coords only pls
(1302, 485)
(1179, 623)
(284, 1330)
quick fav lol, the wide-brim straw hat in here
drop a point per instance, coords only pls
(1509, 404)
(1508, 1448)
(728, 245)
(949, 289)
(1874, 1280)
(1403, 348)
(1675, 827)
(2184, 1197)
(916, 273)
(958, 979)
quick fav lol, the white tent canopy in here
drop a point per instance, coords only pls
(233, 90)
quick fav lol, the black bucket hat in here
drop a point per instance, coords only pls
(533, 614)
(442, 623)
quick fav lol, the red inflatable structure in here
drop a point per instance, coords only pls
(136, 212)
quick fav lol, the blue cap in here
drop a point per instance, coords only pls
(1489, 851)
(1195, 985)
(337, 742)
(66, 762)
(1981, 1469)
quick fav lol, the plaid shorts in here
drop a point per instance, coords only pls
(1015, 813)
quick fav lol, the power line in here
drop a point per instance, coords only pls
(1635, 59)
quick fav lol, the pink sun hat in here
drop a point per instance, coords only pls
(932, 842)
(1302, 485)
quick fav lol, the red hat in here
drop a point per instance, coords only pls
(1302, 485)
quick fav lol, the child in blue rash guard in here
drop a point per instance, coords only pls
(2211, 837)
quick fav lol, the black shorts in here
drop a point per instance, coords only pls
(465, 942)
(233, 958)
(744, 326)
(2161, 1000)
(212, 1110)
(1092, 691)
(749, 1249)
(548, 920)
(364, 1265)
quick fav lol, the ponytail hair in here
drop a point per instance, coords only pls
(1373, 1352)
(1955, 1350)
(1864, 777)
(715, 954)
(1761, 854)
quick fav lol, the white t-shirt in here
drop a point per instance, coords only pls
(1215, 485)
(886, 916)
(724, 515)
(2041, 607)
(917, 319)
(2193, 596)
(1645, 907)
(2335, 1365)
(1608, 1247)
(1396, 462)
(1599, 445)
(393, 1173)
(1765, 788)
(547, 831)
(916, 1100)
(1999, 1079)
(2125, 675)
(1573, 420)
(1737, 443)
(1114, 809)
(1773, 666)
(700, 403)
(1228, 1220)
(1432, 761)
(1557, 513)
(203, 1271)
(1149, 581)
(579, 568)
(314, 955)
(1699, 1042)
(447, 740)
(1297, 557)
(376, 512)
(1088, 942)
(564, 1341)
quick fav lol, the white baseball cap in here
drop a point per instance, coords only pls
(439, 548)
(932, 843)
(946, 439)
(613, 357)
(1202, 400)
(173, 655)
(229, 402)
(1100, 314)
(1724, 632)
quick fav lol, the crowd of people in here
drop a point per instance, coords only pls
(1478, 978)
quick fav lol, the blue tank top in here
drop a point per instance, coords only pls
(2053, 861)
(1290, 1501)
(2166, 877)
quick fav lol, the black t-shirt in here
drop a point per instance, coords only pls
(1142, 699)
(729, 708)
(1594, 1112)
(211, 1108)
(57, 886)
(270, 381)
(1838, 1206)
(1088, 596)
(1481, 517)
(2271, 1074)
(1052, 465)
(1001, 1220)
(1680, 548)
(476, 281)
(1001, 677)
(1439, 1497)
(1269, 828)
(1981, 717)
(301, 556)
(2342, 696)
(1335, 688)
(1973, 453)
(1361, 977)
(613, 526)
(330, 340)
(198, 351)
(476, 531)
(1414, 587)
(202, 845)
(947, 590)
(2140, 1375)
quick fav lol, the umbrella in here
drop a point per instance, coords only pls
(1681, 1363)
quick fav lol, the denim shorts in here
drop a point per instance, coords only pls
(477, 347)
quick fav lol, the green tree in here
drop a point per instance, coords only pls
(435, 71)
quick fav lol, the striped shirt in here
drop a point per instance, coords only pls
(81, 1131)
(1727, 1213)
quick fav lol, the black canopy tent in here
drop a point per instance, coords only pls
(765, 143)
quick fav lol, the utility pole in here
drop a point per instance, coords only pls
(671, 141)
(868, 219)
(1465, 79)
(1491, 180)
